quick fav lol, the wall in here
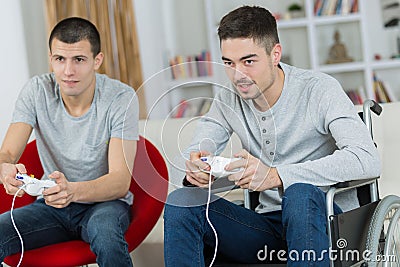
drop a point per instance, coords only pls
(149, 21)
(14, 67)
(35, 33)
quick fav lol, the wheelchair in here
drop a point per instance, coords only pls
(366, 236)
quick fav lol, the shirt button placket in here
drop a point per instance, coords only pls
(265, 134)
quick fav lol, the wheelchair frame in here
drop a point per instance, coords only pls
(376, 240)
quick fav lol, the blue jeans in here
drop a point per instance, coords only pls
(245, 236)
(103, 225)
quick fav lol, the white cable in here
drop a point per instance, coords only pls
(209, 222)
(15, 227)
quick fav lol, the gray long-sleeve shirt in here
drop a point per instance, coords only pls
(312, 134)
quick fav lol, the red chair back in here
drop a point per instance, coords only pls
(150, 189)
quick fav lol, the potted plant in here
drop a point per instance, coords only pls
(295, 10)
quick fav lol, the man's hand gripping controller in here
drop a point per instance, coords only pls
(33, 186)
(218, 163)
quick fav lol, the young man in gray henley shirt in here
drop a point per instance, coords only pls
(300, 133)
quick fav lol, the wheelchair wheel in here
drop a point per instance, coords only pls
(383, 240)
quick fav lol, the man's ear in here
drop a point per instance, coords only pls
(98, 60)
(50, 62)
(276, 54)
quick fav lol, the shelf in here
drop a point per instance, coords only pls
(359, 66)
(385, 64)
(190, 82)
(335, 19)
(342, 67)
(292, 23)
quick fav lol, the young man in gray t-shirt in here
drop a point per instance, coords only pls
(86, 128)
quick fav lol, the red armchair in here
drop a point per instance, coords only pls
(149, 185)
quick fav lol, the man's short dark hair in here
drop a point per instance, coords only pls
(72, 30)
(250, 22)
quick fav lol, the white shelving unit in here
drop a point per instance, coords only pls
(306, 42)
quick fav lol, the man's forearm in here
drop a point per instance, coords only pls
(6, 158)
(108, 187)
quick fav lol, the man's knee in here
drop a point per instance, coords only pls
(6, 228)
(301, 188)
(107, 221)
(188, 197)
(299, 191)
(300, 198)
(186, 204)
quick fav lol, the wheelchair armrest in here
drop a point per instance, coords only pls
(345, 186)
(222, 185)
(355, 183)
(219, 186)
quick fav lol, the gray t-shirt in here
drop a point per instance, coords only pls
(78, 146)
(312, 134)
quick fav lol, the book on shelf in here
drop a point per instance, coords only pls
(174, 68)
(362, 94)
(330, 8)
(335, 7)
(191, 66)
(345, 7)
(318, 7)
(356, 96)
(181, 109)
(209, 63)
(382, 91)
(192, 107)
(181, 66)
(354, 6)
(192, 69)
(204, 106)
(200, 63)
(388, 89)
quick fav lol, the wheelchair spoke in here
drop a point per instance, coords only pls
(391, 253)
(383, 236)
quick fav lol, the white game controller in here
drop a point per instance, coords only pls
(33, 186)
(218, 163)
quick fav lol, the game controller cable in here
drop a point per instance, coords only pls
(217, 169)
(33, 187)
(209, 221)
(15, 226)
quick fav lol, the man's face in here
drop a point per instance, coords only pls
(74, 66)
(248, 66)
